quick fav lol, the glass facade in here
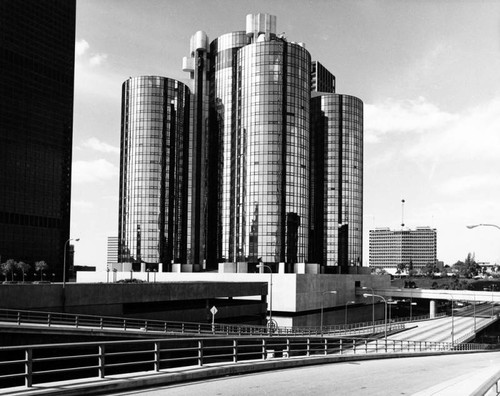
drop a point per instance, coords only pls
(336, 180)
(223, 103)
(37, 51)
(153, 171)
(271, 190)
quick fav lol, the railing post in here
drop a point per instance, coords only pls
(28, 368)
(199, 328)
(354, 346)
(200, 353)
(101, 322)
(157, 355)
(76, 321)
(48, 320)
(18, 317)
(393, 345)
(182, 328)
(325, 341)
(146, 325)
(340, 347)
(165, 327)
(366, 346)
(102, 363)
(124, 324)
(263, 349)
(235, 350)
(308, 349)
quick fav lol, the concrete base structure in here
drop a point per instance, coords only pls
(297, 298)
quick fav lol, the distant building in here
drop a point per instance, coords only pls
(112, 252)
(37, 52)
(389, 248)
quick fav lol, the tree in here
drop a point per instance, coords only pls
(24, 267)
(430, 269)
(10, 266)
(401, 267)
(469, 268)
(41, 266)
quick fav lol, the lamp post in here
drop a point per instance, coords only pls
(373, 306)
(385, 313)
(390, 302)
(64, 260)
(346, 304)
(270, 294)
(147, 274)
(482, 225)
(452, 322)
(322, 306)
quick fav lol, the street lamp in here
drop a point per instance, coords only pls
(385, 313)
(64, 260)
(346, 304)
(270, 294)
(452, 322)
(322, 305)
(390, 302)
(373, 306)
(482, 225)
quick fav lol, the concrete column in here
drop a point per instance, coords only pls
(143, 267)
(432, 309)
(160, 267)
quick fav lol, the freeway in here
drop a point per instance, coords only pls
(444, 375)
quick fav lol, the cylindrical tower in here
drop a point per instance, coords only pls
(271, 152)
(223, 104)
(153, 172)
(337, 180)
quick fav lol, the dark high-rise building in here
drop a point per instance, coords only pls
(37, 51)
(154, 172)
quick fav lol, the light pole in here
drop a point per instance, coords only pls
(64, 260)
(373, 306)
(346, 304)
(482, 225)
(322, 305)
(385, 313)
(270, 294)
(452, 322)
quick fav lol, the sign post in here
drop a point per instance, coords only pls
(214, 311)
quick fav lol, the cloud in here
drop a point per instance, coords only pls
(471, 134)
(93, 171)
(97, 59)
(403, 116)
(81, 46)
(95, 144)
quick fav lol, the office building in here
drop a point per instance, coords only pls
(153, 172)
(37, 51)
(112, 257)
(268, 174)
(413, 248)
(336, 233)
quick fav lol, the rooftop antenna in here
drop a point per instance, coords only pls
(402, 213)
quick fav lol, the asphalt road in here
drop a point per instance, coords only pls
(403, 376)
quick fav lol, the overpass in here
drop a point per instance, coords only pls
(436, 294)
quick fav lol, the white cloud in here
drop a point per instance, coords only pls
(471, 134)
(93, 171)
(81, 46)
(97, 59)
(95, 144)
(403, 116)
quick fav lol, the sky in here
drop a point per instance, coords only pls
(427, 71)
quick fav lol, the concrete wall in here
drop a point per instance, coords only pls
(186, 301)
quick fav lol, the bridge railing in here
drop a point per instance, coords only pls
(24, 317)
(37, 364)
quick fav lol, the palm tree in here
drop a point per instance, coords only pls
(41, 266)
(9, 266)
(24, 267)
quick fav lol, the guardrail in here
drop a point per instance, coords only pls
(37, 364)
(489, 387)
(23, 317)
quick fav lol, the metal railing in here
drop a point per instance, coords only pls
(37, 364)
(489, 387)
(23, 317)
